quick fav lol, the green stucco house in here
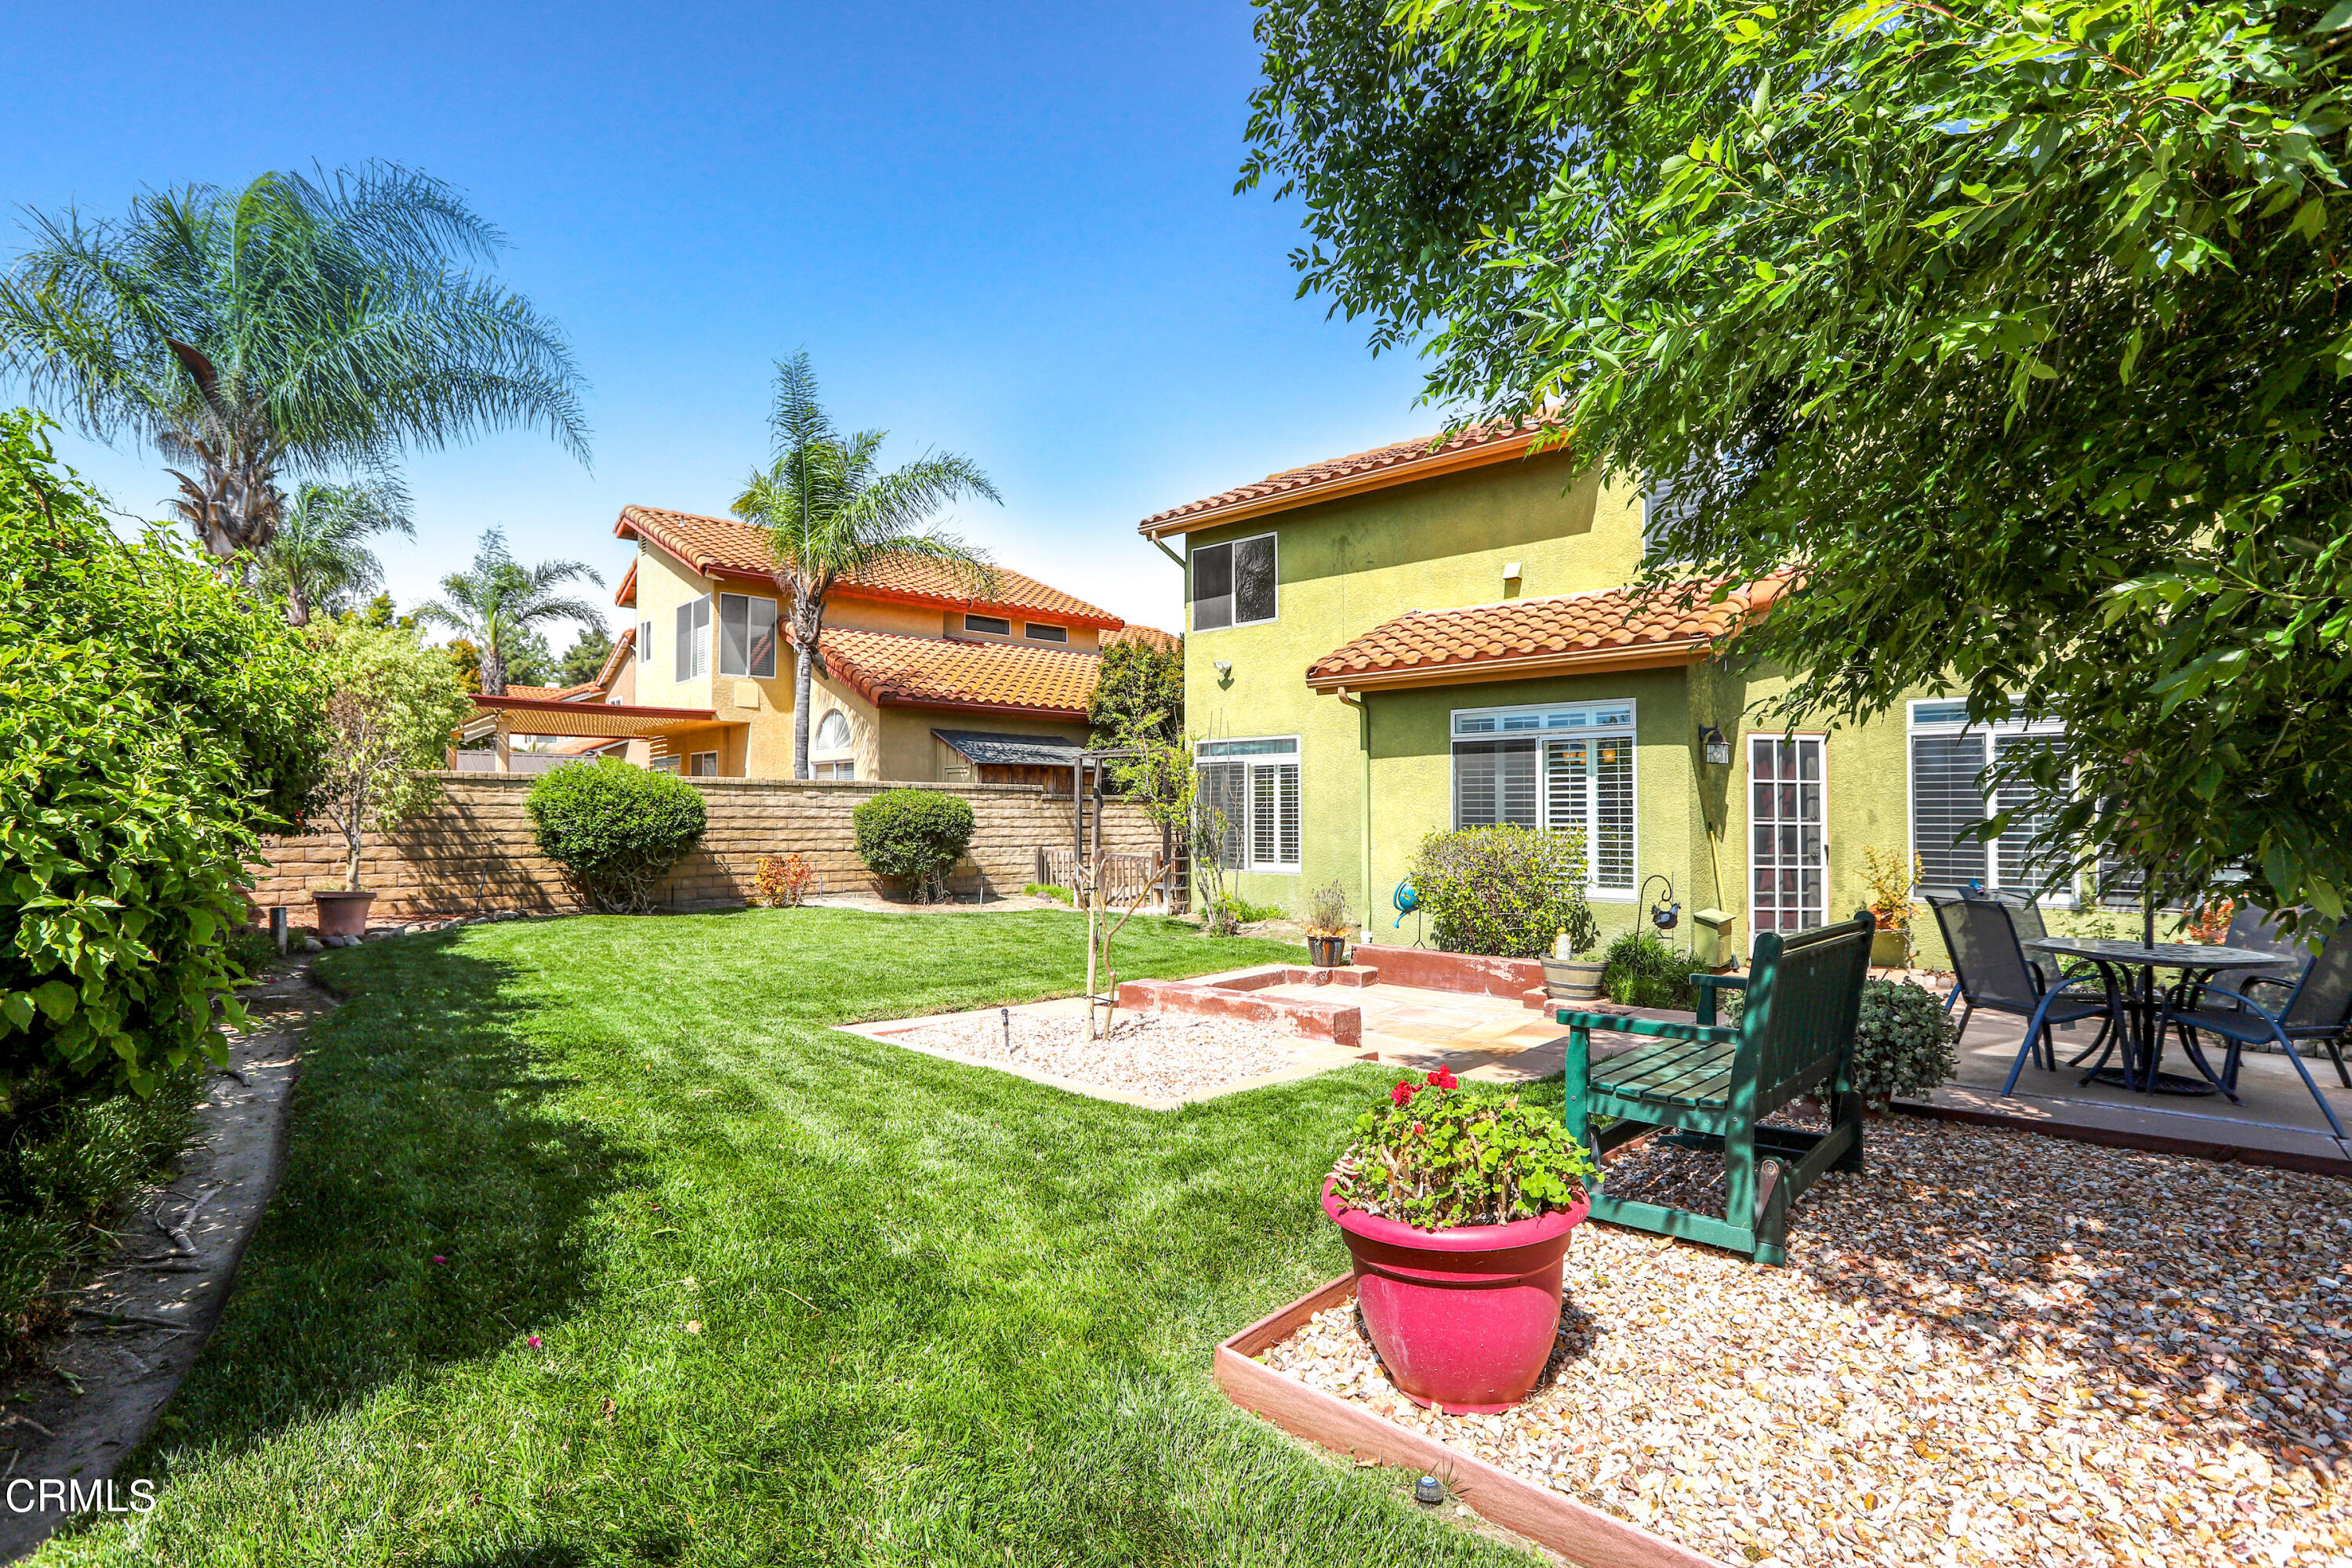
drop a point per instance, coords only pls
(1438, 634)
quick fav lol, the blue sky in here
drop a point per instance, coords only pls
(1008, 232)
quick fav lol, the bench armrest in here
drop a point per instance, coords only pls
(1706, 985)
(1617, 1023)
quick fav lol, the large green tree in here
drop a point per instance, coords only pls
(502, 607)
(2020, 330)
(321, 325)
(830, 512)
(154, 722)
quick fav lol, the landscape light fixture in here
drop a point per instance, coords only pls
(1716, 744)
(1224, 667)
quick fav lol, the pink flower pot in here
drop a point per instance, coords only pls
(342, 914)
(1465, 1318)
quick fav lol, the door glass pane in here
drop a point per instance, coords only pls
(1612, 813)
(1567, 792)
(1788, 871)
(2017, 865)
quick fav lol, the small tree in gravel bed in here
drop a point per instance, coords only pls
(914, 835)
(616, 829)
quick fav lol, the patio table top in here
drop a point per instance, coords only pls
(2160, 954)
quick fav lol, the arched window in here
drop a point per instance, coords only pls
(832, 732)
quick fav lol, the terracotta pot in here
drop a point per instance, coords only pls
(341, 913)
(1327, 952)
(1573, 979)
(1465, 1318)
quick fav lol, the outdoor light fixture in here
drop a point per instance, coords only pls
(1510, 570)
(1717, 743)
(1224, 667)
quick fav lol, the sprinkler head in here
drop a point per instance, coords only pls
(1429, 1490)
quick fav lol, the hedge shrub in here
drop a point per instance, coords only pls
(616, 829)
(1641, 969)
(1505, 891)
(154, 722)
(916, 834)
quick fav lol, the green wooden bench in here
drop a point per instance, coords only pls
(1715, 1085)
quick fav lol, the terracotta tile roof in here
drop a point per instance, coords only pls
(1609, 627)
(1398, 463)
(622, 646)
(1149, 637)
(718, 546)
(933, 672)
(552, 693)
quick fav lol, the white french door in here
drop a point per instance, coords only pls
(1786, 853)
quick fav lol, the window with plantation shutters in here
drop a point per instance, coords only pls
(1252, 787)
(1950, 759)
(1561, 767)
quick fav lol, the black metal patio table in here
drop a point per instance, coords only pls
(2143, 1034)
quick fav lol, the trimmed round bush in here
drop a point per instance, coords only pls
(915, 834)
(616, 829)
(1505, 891)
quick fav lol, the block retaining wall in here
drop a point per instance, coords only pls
(472, 851)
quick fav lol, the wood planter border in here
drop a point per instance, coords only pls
(1578, 1531)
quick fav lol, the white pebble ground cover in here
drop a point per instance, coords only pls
(1164, 1056)
(1988, 1348)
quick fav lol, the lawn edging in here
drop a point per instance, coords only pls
(1578, 1531)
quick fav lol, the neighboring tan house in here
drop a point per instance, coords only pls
(1421, 637)
(924, 682)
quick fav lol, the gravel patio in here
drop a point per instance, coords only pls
(1991, 1347)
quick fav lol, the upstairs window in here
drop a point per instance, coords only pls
(747, 636)
(1038, 631)
(1561, 767)
(645, 650)
(1232, 583)
(832, 732)
(694, 638)
(992, 626)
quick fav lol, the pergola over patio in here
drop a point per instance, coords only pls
(502, 717)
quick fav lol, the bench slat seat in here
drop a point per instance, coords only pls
(1714, 1086)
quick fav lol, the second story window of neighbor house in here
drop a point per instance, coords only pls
(992, 626)
(747, 636)
(645, 649)
(694, 638)
(1040, 631)
(1232, 583)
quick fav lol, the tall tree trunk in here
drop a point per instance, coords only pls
(297, 603)
(494, 670)
(806, 628)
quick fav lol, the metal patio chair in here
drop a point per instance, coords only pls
(2315, 1010)
(1992, 973)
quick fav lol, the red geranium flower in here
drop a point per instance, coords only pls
(1402, 1092)
(1442, 1078)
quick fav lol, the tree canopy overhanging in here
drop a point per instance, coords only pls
(2020, 330)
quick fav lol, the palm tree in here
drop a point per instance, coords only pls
(323, 324)
(828, 514)
(319, 559)
(501, 601)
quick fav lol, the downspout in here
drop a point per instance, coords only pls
(1364, 740)
(1165, 551)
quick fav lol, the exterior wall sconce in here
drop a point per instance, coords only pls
(1224, 667)
(1717, 745)
(1510, 570)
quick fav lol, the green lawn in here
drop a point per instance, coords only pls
(944, 1315)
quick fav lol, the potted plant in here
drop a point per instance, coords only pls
(1458, 1208)
(1891, 876)
(1326, 926)
(1573, 972)
(391, 703)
